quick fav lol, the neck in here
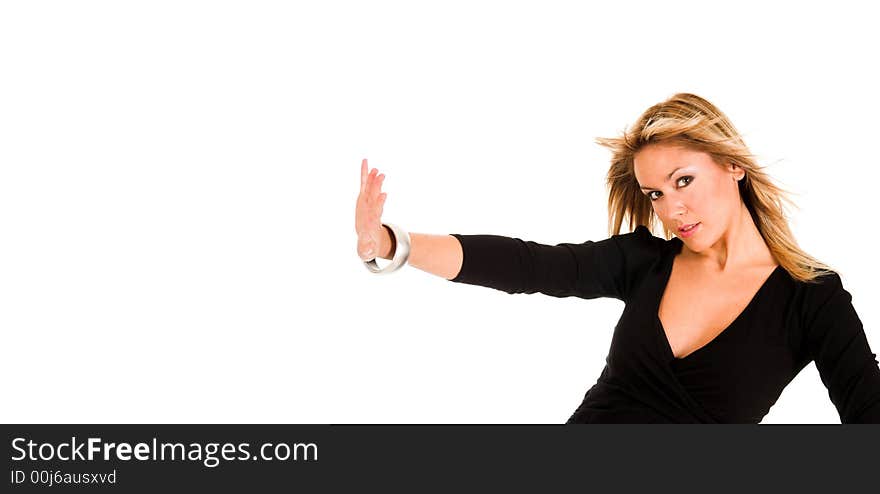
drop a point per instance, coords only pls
(741, 246)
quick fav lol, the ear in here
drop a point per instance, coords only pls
(736, 171)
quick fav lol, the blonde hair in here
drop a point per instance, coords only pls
(690, 121)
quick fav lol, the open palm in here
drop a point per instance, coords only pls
(368, 213)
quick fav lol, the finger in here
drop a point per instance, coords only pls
(371, 181)
(363, 174)
(377, 186)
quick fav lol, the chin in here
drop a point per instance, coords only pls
(696, 249)
(695, 245)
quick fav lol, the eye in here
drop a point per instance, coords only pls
(687, 178)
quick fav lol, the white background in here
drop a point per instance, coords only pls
(178, 181)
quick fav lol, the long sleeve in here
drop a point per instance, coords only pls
(605, 268)
(836, 341)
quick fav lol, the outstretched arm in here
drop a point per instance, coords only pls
(605, 268)
(592, 269)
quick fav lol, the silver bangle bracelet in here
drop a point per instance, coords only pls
(401, 252)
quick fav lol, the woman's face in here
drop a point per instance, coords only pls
(686, 187)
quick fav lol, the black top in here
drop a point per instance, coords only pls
(735, 378)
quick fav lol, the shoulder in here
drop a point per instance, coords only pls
(641, 235)
(822, 298)
(827, 287)
(810, 307)
(824, 287)
(642, 242)
(642, 251)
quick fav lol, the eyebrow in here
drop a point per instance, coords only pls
(667, 177)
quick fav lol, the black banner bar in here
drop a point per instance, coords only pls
(412, 458)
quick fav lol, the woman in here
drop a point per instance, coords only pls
(718, 318)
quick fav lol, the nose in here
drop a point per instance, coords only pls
(670, 206)
(677, 210)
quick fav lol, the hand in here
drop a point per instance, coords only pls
(368, 213)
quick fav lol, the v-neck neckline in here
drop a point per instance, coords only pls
(665, 282)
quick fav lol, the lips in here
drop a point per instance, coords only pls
(689, 230)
